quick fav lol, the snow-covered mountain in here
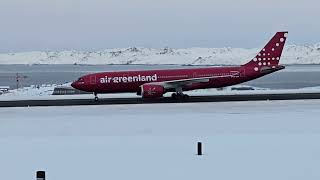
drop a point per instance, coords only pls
(293, 54)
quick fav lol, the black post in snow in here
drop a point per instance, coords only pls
(199, 148)
(41, 175)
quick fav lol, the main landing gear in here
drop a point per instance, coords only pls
(96, 99)
(179, 94)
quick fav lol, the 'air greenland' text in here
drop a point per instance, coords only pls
(127, 79)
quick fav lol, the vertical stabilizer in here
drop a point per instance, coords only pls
(270, 55)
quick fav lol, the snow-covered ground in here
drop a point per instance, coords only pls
(44, 92)
(241, 140)
(293, 54)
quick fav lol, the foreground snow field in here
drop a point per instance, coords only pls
(242, 140)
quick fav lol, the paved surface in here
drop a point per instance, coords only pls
(138, 100)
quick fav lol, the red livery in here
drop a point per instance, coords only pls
(155, 83)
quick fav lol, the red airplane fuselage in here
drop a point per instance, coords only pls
(155, 83)
(131, 81)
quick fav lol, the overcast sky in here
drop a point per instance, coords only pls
(98, 24)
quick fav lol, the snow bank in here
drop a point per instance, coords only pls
(44, 92)
(293, 54)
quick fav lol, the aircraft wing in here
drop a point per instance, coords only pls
(187, 82)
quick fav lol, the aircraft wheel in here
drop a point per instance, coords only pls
(95, 97)
(185, 96)
(174, 96)
(179, 96)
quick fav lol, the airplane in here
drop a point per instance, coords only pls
(155, 83)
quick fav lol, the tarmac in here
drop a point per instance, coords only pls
(139, 100)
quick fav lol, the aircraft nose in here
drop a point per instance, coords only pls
(78, 84)
(74, 85)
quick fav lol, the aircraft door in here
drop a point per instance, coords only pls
(93, 79)
(195, 75)
(242, 72)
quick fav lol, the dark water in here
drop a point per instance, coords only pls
(294, 76)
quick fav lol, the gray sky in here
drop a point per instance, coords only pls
(98, 24)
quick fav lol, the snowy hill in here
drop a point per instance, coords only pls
(293, 54)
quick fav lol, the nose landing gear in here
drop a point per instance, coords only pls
(96, 99)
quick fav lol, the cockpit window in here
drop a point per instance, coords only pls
(80, 79)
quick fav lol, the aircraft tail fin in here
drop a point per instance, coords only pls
(270, 55)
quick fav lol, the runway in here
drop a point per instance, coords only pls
(139, 100)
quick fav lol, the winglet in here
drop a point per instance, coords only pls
(270, 55)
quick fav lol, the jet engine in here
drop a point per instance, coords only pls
(152, 91)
